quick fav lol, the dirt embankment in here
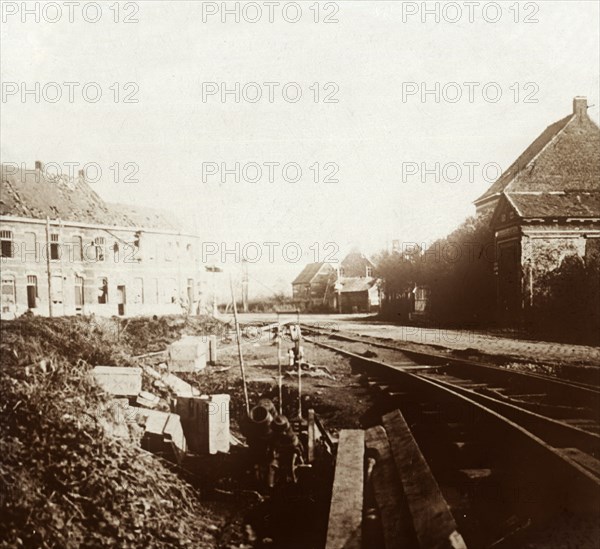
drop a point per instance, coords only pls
(64, 482)
(67, 484)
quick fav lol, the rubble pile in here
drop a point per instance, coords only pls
(66, 483)
(144, 335)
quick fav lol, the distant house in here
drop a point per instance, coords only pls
(310, 288)
(545, 208)
(352, 287)
(355, 264)
(357, 295)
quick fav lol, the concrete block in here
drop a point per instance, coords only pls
(187, 355)
(119, 381)
(163, 433)
(147, 400)
(205, 422)
(179, 387)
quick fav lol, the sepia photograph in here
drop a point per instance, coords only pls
(300, 274)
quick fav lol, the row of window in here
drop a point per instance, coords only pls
(138, 294)
(76, 250)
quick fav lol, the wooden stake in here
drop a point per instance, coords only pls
(239, 346)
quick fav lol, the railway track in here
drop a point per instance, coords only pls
(515, 455)
(524, 396)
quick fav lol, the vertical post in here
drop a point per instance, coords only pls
(239, 346)
(245, 285)
(214, 292)
(48, 264)
(279, 376)
(299, 344)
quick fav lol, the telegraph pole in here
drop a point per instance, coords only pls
(245, 285)
(48, 264)
(239, 346)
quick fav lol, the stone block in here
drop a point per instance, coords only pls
(119, 381)
(205, 422)
(187, 355)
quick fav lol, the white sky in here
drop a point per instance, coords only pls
(369, 133)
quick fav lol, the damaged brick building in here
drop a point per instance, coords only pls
(66, 251)
(545, 212)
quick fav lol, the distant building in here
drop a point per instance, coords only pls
(357, 295)
(310, 288)
(350, 288)
(545, 208)
(355, 264)
(65, 251)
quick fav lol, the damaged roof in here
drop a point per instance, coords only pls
(33, 194)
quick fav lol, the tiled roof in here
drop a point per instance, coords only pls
(357, 284)
(30, 194)
(308, 273)
(564, 158)
(564, 205)
(525, 158)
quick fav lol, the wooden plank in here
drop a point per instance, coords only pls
(434, 525)
(345, 513)
(311, 435)
(395, 517)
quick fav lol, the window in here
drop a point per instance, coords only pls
(54, 247)
(79, 296)
(102, 291)
(138, 291)
(78, 248)
(6, 238)
(369, 271)
(30, 251)
(154, 295)
(99, 244)
(190, 293)
(169, 252)
(116, 252)
(9, 293)
(170, 290)
(32, 292)
(56, 295)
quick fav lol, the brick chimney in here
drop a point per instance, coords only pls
(580, 106)
(82, 175)
(39, 166)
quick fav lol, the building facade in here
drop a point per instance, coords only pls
(545, 211)
(64, 252)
